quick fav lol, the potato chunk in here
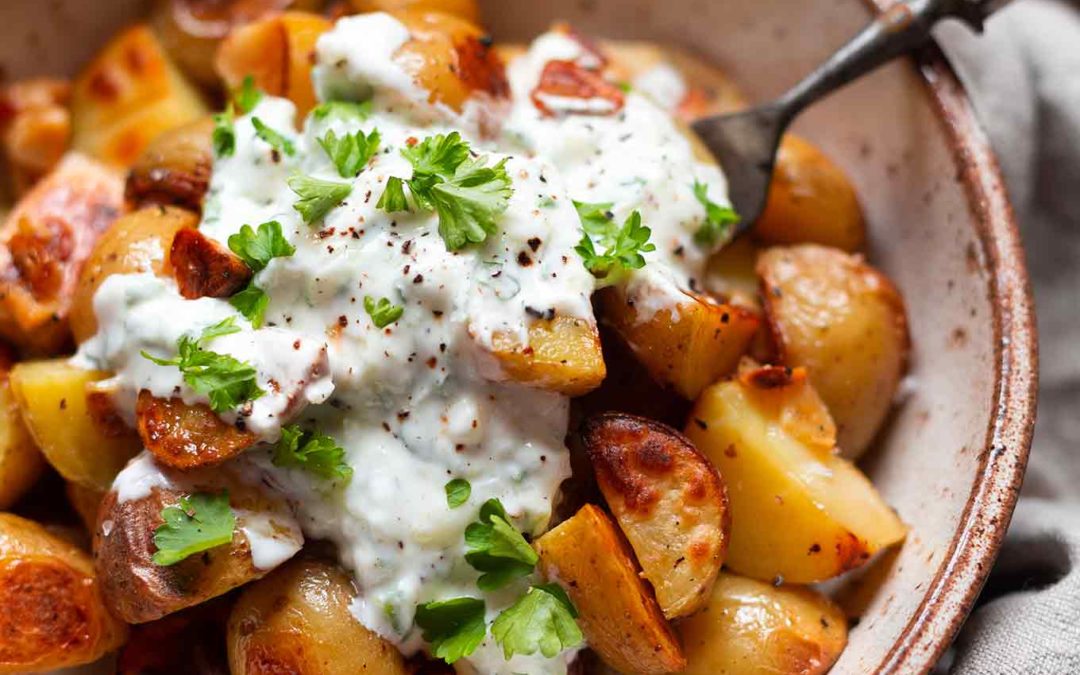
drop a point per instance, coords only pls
(669, 501)
(751, 627)
(617, 611)
(43, 245)
(52, 615)
(174, 170)
(297, 620)
(191, 641)
(127, 96)
(52, 397)
(845, 322)
(36, 128)
(798, 510)
(185, 436)
(21, 462)
(204, 268)
(563, 355)
(463, 9)
(688, 348)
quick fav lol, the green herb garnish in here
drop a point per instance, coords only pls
(313, 452)
(317, 197)
(345, 110)
(201, 522)
(382, 312)
(257, 247)
(623, 246)
(497, 549)
(455, 628)
(541, 620)
(718, 219)
(351, 152)
(273, 138)
(457, 492)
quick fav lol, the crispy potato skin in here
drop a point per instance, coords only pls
(174, 170)
(297, 620)
(52, 615)
(686, 350)
(85, 501)
(35, 127)
(810, 201)
(617, 611)
(52, 399)
(137, 242)
(191, 641)
(127, 96)
(798, 510)
(462, 9)
(669, 501)
(21, 463)
(204, 268)
(563, 355)
(43, 245)
(751, 627)
(845, 322)
(186, 436)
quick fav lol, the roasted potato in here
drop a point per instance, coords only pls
(732, 273)
(617, 611)
(85, 502)
(191, 641)
(191, 30)
(137, 242)
(810, 201)
(463, 9)
(204, 268)
(43, 245)
(138, 590)
(52, 397)
(174, 170)
(127, 96)
(297, 620)
(35, 126)
(277, 51)
(669, 501)
(799, 512)
(186, 436)
(563, 355)
(845, 322)
(52, 615)
(21, 462)
(751, 627)
(688, 348)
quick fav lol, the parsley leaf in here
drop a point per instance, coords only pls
(247, 96)
(455, 628)
(226, 381)
(201, 522)
(466, 194)
(252, 303)
(541, 620)
(224, 136)
(595, 217)
(382, 313)
(351, 152)
(496, 548)
(273, 138)
(258, 247)
(314, 452)
(623, 246)
(317, 197)
(718, 219)
(457, 492)
(345, 110)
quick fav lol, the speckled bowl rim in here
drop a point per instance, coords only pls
(964, 568)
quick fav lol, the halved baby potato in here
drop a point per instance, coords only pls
(669, 501)
(297, 620)
(185, 436)
(750, 627)
(563, 355)
(174, 170)
(799, 512)
(617, 611)
(845, 323)
(52, 615)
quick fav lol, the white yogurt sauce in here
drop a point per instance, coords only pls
(409, 403)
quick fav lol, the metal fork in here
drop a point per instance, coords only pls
(745, 143)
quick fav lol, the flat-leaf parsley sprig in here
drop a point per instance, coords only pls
(351, 152)
(199, 523)
(466, 193)
(243, 101)
(541, 620)
(497, 549)
(718, 219)
(226, 381)
(257, 248)
(317, 197)
(622, 247)
(455, 628)
(313, 452)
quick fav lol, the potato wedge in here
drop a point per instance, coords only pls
(845, 322)
(687, 349)
(811, 201)
(617, 611)
(563, 355)
(191, 641)
(277, 51)
(751, 627)
(136, 242)
(732, 273)
(127, 96)
(52, 399)
(186, 436)
(137, 589)
(43, 245)
(35, 125)
(52, 615)
(799, 512)
(297, 620)
(669, 501)
(174, 170)
(21, 463)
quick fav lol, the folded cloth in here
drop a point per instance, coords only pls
(1024, 78)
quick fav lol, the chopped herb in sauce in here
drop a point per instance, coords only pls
(313, 452)
(457, 492)
(273, 138)
(718, 219)
(622, 246)
(382, 312)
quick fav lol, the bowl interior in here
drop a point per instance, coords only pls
(887, 133)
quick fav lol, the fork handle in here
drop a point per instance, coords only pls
(901, 28)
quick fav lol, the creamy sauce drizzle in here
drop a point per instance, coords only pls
(411, 403)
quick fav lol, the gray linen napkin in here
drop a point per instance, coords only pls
(1024, 76)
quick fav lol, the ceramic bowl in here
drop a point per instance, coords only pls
(952, 458)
